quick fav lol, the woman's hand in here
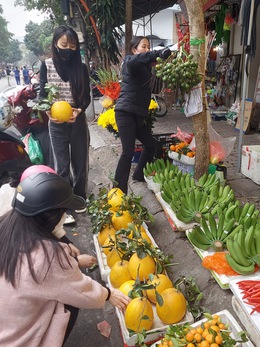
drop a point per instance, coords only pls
(118, 299)
(76, 112)
(74, 251)
(52, 119)
(86, 261)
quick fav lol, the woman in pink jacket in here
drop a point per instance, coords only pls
(41, 284)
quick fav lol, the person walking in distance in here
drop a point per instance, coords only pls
(69, 140)
(38, 272)
(17, 75)
(131, 109)
(8, 74)
(26, 75)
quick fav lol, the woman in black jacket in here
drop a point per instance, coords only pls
(132, 109)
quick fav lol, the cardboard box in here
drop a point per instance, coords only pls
(247, 116)
(250, 164)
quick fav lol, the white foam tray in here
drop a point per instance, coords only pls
(255, 317)
(226, 318)
(176, 223)
(102, 259)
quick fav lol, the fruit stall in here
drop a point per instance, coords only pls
(224, 233)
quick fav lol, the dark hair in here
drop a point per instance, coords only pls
(136, 40)
(78, 80)
(20, 235)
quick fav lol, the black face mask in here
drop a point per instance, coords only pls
(66, 54)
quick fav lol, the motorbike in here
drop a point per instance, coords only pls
(27, 120)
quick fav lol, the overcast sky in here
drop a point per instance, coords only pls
(18, 17)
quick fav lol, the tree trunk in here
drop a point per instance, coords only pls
(128, 25)
(200, 126)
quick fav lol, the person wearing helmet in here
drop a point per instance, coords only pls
(38, 272)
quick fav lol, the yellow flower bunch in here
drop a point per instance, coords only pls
(107, 120)
(153, 105)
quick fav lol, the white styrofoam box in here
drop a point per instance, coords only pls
(183, 158)
(226, 318)
(155, 187)
(6, 197)
(244, 312)
(179, 225)
(223, 280)
(250, 164)
(102, 259)
(154, 334)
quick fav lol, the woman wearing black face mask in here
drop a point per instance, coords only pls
(69, 140)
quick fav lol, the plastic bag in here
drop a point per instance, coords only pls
(220, 147)
(33, 148)
(183, 136)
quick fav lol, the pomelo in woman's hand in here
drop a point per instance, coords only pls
(61, 111)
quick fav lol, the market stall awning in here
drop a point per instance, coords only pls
(142, 8)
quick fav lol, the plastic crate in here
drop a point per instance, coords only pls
(163, 143)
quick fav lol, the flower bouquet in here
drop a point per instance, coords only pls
(108, 121)
(108, 83)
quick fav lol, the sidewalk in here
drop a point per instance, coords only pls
(104, 154)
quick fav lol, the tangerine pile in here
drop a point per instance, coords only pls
(212, 333)
(182, 148)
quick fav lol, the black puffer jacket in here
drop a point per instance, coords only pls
(135, 95)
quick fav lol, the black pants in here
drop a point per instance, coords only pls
(70, 146)
(131, 127)
(74, 311)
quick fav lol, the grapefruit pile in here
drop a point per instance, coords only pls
(132, 258)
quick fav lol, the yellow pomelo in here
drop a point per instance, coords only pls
(121, 221)
(141, 268)
(61, 111)
(127, 286)
(115, 198)
(108, 242)
(113, 257)
(146, 237)
(104, 234)
(162, 282)
(174, 306)
(139, 315)
(119, 273)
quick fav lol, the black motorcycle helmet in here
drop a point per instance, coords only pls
(45, 191)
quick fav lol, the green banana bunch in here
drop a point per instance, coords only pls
(244, 251)
(207, 181)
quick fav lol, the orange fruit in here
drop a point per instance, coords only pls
(189, 337)
(163, 282)
(139, 315)
(141, 268)
(104, 234)
(119, 273)
(174, 306)
(115, 198)
(204, 343)
(121, 221)
(61, 111)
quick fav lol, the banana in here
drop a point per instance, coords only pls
(249, 238)
(174, 206)
(233, 252)
(253, 247)
(257, 241)
(198, 196)
(202, 180)
(244, 211)
(256, 213)
(231, 234)
(210, 181)
(225, 193)
(240, 269)
(183, 218)
(250, 211)
(215, 191)
(220, 226)
(208, 205)
(191, 200)
(213, 226)
(187, 181)
(242, 260)
(165, 197)
(229, 213)
(203, 200)
(241, 240)
(205, 228)
(198, 241)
